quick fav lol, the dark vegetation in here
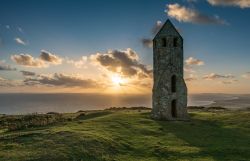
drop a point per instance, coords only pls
(125, 134)
(207, 108)
(30, 121)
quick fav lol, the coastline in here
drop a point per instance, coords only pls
(234, 103)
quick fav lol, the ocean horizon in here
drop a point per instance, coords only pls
(25, 103)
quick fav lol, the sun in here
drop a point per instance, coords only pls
(117, 80)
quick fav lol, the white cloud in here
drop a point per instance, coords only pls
(184, 14)
(78, 63)
(157, 27)
(5, 67)
(44, 60)
(28, 60)
(20, 41)
(213, 76)
(246, 75)
(194, 61)
(238, 3)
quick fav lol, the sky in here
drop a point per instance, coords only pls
(106, 46)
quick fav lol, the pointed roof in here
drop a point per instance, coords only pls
(168, 29)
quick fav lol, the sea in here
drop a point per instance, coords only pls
(27, 103)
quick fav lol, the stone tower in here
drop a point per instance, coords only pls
(169, 90)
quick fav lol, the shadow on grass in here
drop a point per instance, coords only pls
(65, 145)
(211, 137)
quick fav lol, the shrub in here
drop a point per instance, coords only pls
(196, 107)
(31, 121)
(216, 108)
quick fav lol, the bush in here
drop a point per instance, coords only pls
(196, 107)
(80, 111)
(53, 113)
(31, 121)
(216, 108)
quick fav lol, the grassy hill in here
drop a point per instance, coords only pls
(125, 135)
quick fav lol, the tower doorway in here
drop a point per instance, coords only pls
(173, 109)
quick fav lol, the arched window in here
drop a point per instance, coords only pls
(173, 84)
(173, 108)
(164, 42)
(175, 43)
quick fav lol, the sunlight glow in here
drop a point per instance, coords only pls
(117, 80)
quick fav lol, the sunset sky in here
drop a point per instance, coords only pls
(105, 46)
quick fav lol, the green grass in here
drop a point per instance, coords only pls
(132, 135)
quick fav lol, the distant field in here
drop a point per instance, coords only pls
(126, 135)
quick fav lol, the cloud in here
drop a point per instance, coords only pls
(78, 64)
(147, 42)
(27, 73)
(28, 60)
(194, 61)
(44, 60)
(156, 27)
(238, 3)
(246, 75)
(191, 77)
(9, 83)
(229, 81)
(7, 26)
(189, 69)
(190, 62)
(49, 57)
(125, 62)
(184, 14)
(20, 29)
(213, 76)
(59, 79)
(6, 67)
(20, 41)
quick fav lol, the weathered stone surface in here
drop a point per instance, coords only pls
(169, 90)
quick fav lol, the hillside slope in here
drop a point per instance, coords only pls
(132, 135)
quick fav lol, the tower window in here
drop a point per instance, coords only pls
(173, 84)
(175, 42)
(163, 42)
(173, 109)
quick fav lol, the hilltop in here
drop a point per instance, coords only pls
(125, 134)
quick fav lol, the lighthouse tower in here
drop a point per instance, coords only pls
(169, 90)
